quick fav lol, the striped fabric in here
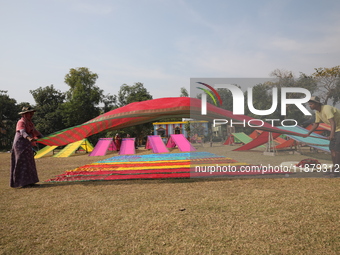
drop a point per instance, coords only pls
(159, 166)
(143, 112)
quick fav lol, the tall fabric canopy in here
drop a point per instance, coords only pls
(147, 111)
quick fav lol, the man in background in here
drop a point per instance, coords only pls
(331, 116)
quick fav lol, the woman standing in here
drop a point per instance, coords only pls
(118, 141)
(23, 169)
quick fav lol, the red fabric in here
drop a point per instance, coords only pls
(254, 134)
(153, 174)
(147, 111)
(261, 139)
(280, 140)
(285, 144)
(322, 127)
(308, 162)
(230, 140)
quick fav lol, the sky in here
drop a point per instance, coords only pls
(162, 43)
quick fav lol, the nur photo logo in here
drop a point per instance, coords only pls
(279, 97)
(204, 97)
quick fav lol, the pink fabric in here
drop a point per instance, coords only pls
(101, 147)
(182, 143)
(127, 146)
(155, 143)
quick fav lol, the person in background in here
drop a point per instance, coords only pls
(118, 141)
(331, 116)
(23, 169)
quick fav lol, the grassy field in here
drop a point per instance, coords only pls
(182, 216)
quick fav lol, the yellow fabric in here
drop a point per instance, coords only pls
(92, 169)
(328, 112)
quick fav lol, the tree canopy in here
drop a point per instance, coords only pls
(83, 97)
(328, 83)
(134, 93)
(49, 103)
(8, 117)
(184, 92)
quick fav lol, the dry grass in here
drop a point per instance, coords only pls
(183, 216)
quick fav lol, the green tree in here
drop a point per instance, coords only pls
(328, 81)
(263, 98)
(8, 117)
(284, 78)
(83, 97)
(227, 98)
(48, 117)
(135, 93)
(110, 103)
(130, 94)
(184, 92)
(336, 96)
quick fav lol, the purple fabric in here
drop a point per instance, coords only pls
(23, 168)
